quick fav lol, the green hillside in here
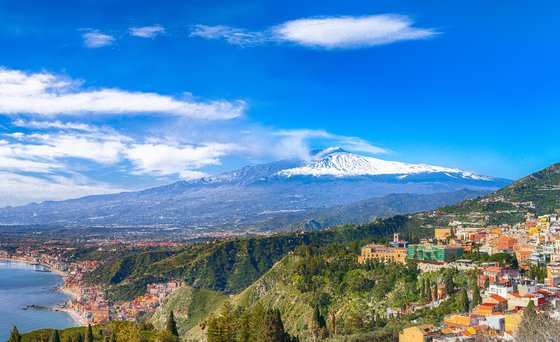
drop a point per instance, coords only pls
(538, 193)
(230, 266)
(351, 298)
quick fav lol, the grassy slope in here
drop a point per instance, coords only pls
(190, 306)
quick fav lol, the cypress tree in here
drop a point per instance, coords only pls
(55, 337)
(486, 283)
(476, 298)
(272, 329)
(449, 284)
(530, 312)
(434, 292)
(428, 294)
(15, 336)
(463, 301)
(171, 326)
(89, 334)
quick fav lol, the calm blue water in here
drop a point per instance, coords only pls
(22, 285)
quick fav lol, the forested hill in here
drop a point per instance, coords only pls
(230, 266)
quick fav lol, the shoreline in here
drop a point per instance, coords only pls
(74, 315)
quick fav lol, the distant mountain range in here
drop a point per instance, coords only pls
(256, 196)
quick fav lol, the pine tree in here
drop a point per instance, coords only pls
(244, 327)
(463, 301)
(171, 326)
(14, 336)
(55, 337)
(476, 298)
(212, 330)
(89, 334)
(257, 317)
(226, 323)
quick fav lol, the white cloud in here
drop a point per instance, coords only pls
(44, 152)
(232, 35)
(96, 39)
(351, 32)
(17, 189)
(298, 141)
(147, 31)
(342, 32)
(49, 94)
(54, 124)
(163, 160)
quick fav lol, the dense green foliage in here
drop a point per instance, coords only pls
(229, 266)
(323, 293)
(121, 331)
(243, 325)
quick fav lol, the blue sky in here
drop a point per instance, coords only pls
(102, 96)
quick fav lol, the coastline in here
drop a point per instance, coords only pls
(76, 317)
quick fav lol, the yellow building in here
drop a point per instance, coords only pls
(512, 322)
(383, 253)
(419, 333)
(442, 233)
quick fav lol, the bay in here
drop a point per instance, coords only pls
(22, 285)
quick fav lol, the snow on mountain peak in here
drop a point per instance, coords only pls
(339, 163)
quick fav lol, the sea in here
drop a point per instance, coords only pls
(22, 285)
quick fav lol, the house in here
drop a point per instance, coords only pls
(497, 300)
(442, 233)
(419, 333)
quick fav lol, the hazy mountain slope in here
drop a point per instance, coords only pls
(368, 210)
(537, 193)
(253, 195)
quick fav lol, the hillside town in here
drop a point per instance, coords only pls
(506, 290)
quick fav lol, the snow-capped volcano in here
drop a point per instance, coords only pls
(253, 195)
(340, 163)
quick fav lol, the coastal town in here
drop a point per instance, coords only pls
(88, 303)
(521, 270)
(503, 290)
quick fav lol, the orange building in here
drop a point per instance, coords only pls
(442, 233)
(505, 243)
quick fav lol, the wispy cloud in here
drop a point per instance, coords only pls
(18, 189)
(300, 141)
(151, 31)
(232, 35)
(53, 125)
(96, 39)
(50, 94)
(343, 32)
